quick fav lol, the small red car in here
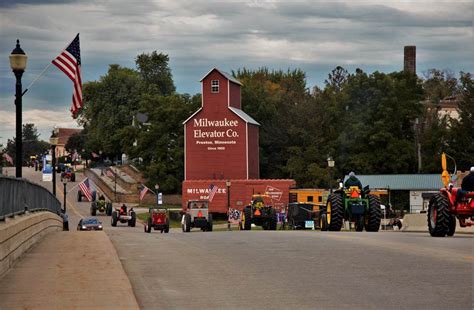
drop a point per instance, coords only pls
(158, 220)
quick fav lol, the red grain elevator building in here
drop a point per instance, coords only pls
(220, 140)
(221, 143)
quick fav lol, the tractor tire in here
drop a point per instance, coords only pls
(167, 227)
(452, 226)
(323, 222)
(133, 221)
(359, 224)
(79, 196)
(374, 215)
(73, 177)
(187, 223)
(93, 209)
(438, 215)
(247, 218)
(108, 209)
(335, 212)
(149, 224)
(272, 222)
(209, 222)
(114, 218)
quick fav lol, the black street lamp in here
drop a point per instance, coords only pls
(331, 164)
(18, 60)
(53, 141)
(227, 183)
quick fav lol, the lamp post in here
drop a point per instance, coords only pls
(53, 141)
(18, 60)
(157, 187)
(331, 164)
(65, 192)
(227, 183)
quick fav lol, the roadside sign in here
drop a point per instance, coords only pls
(159, 198)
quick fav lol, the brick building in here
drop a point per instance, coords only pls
(221, 143)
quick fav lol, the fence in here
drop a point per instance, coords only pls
(19, 195)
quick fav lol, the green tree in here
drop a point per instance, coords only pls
(156, 73)
(461, 141)
(31, 145)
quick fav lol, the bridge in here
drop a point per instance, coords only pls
(122, 267)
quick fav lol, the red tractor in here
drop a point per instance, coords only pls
(447, 205)
(158, 220)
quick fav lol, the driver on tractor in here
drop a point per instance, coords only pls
(123, 209)
(101, 197)
(353, 181)
(467, 185)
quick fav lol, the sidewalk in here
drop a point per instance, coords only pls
(68, 270)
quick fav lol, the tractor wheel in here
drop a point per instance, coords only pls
(452, 226)
(187, 223)
(79, 196)
(167, 226)
(247, 220)
(93, 209)
(209, 222)
(438, 216)
(291, 224)
(359, 224)
(272, 222)
(133, 221)
(374, 215)
(113, 219)
(73, 177)
(108, 209)
(149, 224)
(323, 222)
(334, 212)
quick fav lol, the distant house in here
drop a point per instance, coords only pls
(446, 107)
(421, 187)
(63, 135)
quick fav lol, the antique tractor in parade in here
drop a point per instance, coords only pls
(447, 205)
(123, 215)
(102, 206)
(260, 212)
(302, 215)
(158, 220)
(354, 205)
(196, 215)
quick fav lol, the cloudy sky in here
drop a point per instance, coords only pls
(313, 35)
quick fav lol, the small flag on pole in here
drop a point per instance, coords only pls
(143, 192)
(8, 158)
(213, 191)
(69, 62)
(94, 155)
(85, 189)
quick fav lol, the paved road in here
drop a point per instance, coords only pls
(294, 269)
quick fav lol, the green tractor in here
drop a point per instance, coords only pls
(259, 213)
(102, 206)
(360, 208)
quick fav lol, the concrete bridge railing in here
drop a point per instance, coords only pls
(39, 214)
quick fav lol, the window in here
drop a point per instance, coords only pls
(310, 199)
(214, 86)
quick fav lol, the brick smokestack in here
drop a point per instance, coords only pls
(409, 61)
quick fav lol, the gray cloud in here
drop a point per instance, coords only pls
(313, 35)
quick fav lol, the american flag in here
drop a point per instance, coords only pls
(86, 189)
(8, 158)
(143, 192)
(213, 191)
(94, 155)
(69, 62)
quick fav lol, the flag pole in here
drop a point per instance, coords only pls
(39, 75)
(45, 68)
